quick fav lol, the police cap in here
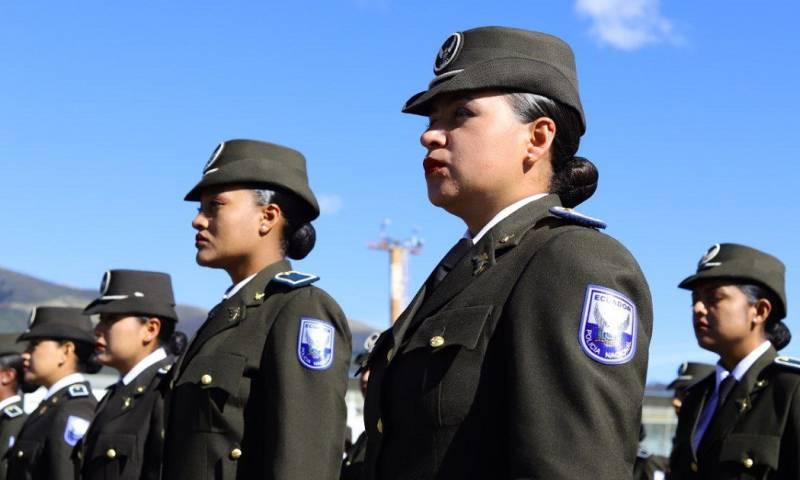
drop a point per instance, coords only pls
(135, 292)
(59, 323)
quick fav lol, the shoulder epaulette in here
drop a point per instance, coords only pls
(295, 279)
(577, 217)
(13, 411)
(165, 369)
(78, 390)
(790, 362)
(644, 453)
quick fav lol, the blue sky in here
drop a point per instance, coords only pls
(110, 110)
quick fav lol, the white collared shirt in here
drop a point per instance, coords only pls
(502, 215)
(231, 291)
(154, 357)
(8, 401)
(721, 374)
(64, 382)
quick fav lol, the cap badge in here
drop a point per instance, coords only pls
(105, 283)
(607, 332)
(448, 52)
(33, 317)
(706, 262)
(214, 156)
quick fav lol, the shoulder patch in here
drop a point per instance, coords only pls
(295, 279)
(790, 362)
(78, 390)
(577, 217)
(315, 342)
(13, 411)
(75, 429)
(607, 331)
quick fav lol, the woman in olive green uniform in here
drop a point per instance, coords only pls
(60, 345)
(524, 353)
(260, 391)
(743, 420)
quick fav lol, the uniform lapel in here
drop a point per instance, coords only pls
(738, 403)
(231, 312)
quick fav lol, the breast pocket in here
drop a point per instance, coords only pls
(208, 387)
(24, 456)
(455, 342)
(113, 456)
(750, 456)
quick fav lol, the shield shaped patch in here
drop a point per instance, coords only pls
(315, 344)
(608, 326)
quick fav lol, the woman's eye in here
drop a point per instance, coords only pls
(462, 112)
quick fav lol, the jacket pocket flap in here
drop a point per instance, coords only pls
(760, 449)
(25, 450)
(114, 445)
(458, 326)
(220, 370)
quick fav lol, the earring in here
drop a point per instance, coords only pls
(263, 228)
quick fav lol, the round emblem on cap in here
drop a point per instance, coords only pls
(706, 262)
(105, 283)
(449, 51)
(33, 317)
(213, 158)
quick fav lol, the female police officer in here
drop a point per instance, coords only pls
(260, 390)
(60, 345)
(137, 319)
(524, 354)
(742, 421)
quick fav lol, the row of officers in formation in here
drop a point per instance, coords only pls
(523, 354)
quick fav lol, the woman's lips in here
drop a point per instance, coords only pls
(200, 240)
(433, 166)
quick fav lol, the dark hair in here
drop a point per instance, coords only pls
(574, 178)
(178, 343)
(298, 238)
(13, 361)
(775, 330)
(87, 363)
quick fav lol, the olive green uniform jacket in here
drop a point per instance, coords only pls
(43, 450)
(755, 434)
(243, 406)
(484, 377)
(126, 438)
(11, 419)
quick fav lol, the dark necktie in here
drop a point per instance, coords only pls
(448, 262)
(725, 389)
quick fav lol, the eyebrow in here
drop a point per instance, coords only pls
(452, 98)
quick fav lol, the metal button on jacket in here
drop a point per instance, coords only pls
(236, 453)
(437, 341)
(206, 379)
(111, 453)
(747, 462)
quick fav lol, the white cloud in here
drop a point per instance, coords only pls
(627, 24)
(330, 204)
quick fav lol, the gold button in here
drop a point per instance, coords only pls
(747, 462)
(20, 454)
(236, 453)
(206, 379)
(694, 466)
(437, 341)
(140, 389)
(380, 426)
(111, 453)
(389, 355)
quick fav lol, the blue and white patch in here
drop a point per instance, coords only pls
(75, 430)
(13, 411)
(78, 390)
(295, 279)
(608, 326)
(575, 216)
(315, 344)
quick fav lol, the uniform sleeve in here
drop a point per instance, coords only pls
(68, 428)
(790, 441)
(571, 415)
(307, 411)
(154, 441)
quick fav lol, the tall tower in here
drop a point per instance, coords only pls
(398, 266)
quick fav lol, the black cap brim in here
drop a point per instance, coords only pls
(57, 332)
(131, 306)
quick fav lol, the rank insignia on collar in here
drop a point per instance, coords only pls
(315, 342)
(13, 411)
(295, 279)
(479, 263)
(78, 390)
(607, 331)
(163, 370)
(258, 296)
(233, 314)
(743, 404)
(577, 217)
(126, 403)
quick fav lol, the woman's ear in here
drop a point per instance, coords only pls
(541, 133)
(763, 307)
(67, 349)
(270, 215)
(152, 328)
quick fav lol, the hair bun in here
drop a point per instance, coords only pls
(576, 182)
(778, 334)
(301, 241)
